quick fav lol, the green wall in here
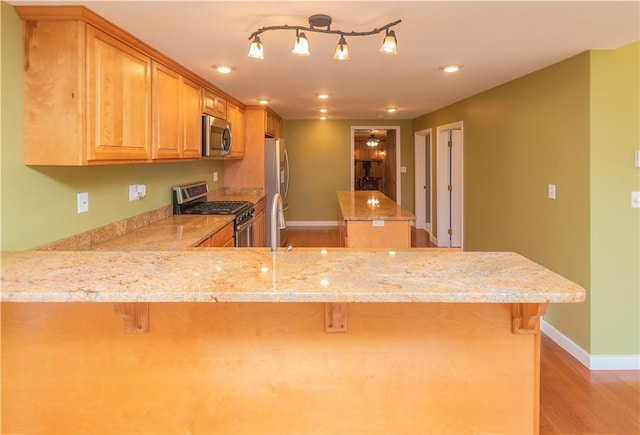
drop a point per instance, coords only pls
(573, 124)
(615, 226)
(320, 155)
(38, 202)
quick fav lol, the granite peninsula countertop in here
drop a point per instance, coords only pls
(301, 275)
(370, 205)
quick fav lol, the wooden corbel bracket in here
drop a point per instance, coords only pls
(525, 318)
(335, 317)
(135, 316)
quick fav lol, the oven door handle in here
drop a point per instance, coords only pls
(245, 226)
(240, 228)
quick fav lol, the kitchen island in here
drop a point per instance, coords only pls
(369, 219)
(248, 341)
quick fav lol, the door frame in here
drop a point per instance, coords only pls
(442, 212)
(423, 141)
(398, 147)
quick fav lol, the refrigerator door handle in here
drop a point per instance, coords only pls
(286, 173)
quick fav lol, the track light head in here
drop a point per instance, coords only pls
(389, 44)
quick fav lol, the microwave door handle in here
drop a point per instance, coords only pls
(226, 140)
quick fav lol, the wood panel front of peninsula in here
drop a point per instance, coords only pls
(268, 368)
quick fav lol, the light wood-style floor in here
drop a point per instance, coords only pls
(573, 400)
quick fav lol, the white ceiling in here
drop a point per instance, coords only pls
(495, 41)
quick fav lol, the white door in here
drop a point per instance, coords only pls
(423, 170)
(455, 181)
(450, 186)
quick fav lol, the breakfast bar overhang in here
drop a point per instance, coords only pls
(249, 341)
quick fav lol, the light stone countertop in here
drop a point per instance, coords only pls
(302, 275)
(362, 205)
(174, 233)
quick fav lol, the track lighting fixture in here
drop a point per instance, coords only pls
(321, 23)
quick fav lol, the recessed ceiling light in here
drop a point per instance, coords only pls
(391, 109)
(323, 96)
(451, 68)
(322, 118)
(324, 110)
(223, 69)
(263, 100)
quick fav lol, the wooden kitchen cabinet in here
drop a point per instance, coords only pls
(235, 116)
(91, 97)
(222, 238)
(272, 123)
(87, 96)
(249, 171)
(213, 104)
(176, 118)
(259, 224)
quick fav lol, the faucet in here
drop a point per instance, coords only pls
(276, 207)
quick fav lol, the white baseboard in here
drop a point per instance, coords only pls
(312, 223)
(592, 362)
(433, 239)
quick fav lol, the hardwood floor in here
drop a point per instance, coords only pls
(573, 399)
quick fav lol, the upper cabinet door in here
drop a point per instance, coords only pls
(118, 99)
(214, 105)
(235, 116)
(192, 122)
(177, 121)
(167, 134)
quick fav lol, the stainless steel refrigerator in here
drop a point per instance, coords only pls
(276, 180)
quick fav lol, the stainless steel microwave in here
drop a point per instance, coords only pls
(216, 137)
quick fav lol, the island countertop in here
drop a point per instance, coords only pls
(370, 205)
(301, 275)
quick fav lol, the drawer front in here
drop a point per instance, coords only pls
(222, 237)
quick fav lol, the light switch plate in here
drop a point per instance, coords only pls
(635, 199)
(551, 191)
(83, 202)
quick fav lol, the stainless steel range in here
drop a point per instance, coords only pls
(192, 199)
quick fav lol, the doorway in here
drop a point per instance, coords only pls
(375, 155)
(450, 187)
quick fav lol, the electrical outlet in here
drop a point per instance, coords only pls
(133, 192)
(83, 202)
(137, 191)
(215, 177)
(551, 191)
